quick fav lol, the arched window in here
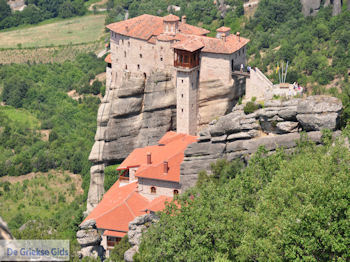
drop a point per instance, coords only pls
(153, 190)
(140, 55)
(138, 67)
(126, 67)
(176, 192)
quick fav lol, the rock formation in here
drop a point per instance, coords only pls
(311, 7)
(5, 233)
(140, 112)
(136, 228)
(89, 239)
(238, 135)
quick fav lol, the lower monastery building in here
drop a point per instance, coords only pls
(150, 178)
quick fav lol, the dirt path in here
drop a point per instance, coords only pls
(91, 8)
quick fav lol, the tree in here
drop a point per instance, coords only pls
(5, 10)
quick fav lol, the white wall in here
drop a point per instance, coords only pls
(187, 105)
(163, 188)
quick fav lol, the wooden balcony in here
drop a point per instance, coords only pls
(124, 179)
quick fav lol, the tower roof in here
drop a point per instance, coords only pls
(223, 29)
(171, 18)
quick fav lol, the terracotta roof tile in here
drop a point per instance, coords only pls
(146, 26)
(231, 44)
(189, 45)
(159, 203)
(223, 29)
(114, 233)
(108, 59)
(171, 18)
(122, 203)
(171, 148)
(192, 30)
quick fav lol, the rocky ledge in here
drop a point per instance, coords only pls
(136, 228)
(90, 239)
(277, 124)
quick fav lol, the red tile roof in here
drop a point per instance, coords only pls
(114, 233)
(122, 203)
(214, 45)
(171, 148)
(189, 45)
(146, 26)
(108, 59)
(223, 29)
(158, 204)
(171, 18)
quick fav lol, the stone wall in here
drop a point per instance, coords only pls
(278, 124)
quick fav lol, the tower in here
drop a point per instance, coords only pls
(187, 65)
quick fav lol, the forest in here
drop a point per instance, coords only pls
(40, 10)
(40, 90)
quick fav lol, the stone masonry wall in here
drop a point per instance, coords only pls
(278, 124)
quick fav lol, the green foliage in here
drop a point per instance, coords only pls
(42, 96)
(250, 107)
(111, 176)
(38, 10)
(282, 207)
(117, 253)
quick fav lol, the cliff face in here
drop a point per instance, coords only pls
(140, 112)
(134, 115)
(238, 135)
(311, 7)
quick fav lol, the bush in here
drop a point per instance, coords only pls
(250, 107)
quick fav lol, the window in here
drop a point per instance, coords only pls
(161, 59)
(182, 110)
(140, 55)
(153, 190)
(129, 43)
(138, 67)
(182, 95)
(182, 81)
(239, 53)
(126, 67)
(124, 53)
(123, 41)
(176, 192)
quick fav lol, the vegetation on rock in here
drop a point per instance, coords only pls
(281, 207)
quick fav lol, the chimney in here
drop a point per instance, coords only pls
(184, 19)
(165, 164)
(149, 158)
(239, 36)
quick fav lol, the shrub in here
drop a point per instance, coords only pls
(250, 107)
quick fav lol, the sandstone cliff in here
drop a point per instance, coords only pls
(278, 124)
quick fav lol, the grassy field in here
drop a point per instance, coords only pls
(48, 54)
(77, 30)
(20, 117)
(37, 194)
